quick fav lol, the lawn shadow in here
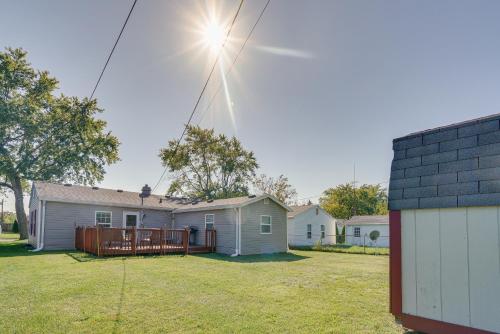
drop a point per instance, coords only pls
(277, 257)
(18, 248)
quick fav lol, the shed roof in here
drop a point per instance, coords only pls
(457, 165)
(367, 220)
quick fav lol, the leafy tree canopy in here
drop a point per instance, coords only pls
(345, 201)
(207, 165)
(44, 136)
(279, 187)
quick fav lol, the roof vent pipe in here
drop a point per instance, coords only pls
(95, 188)
(67, 184)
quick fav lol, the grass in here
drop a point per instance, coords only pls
(9, 236)
(302, 291)
(341, 248)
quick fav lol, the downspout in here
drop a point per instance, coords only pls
(41, 228)
(237, 227)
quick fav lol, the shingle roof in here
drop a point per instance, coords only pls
(101, 196)
(452, 166)
(112, 197)
(298, 209)
(367, 220)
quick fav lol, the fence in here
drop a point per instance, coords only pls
(103, 241)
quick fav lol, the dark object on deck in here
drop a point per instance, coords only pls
(193, 230)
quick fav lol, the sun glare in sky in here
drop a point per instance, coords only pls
(214, 35)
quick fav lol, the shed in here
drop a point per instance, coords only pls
(360, 231)
(444, 202)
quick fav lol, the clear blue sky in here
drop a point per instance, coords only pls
(363, 73)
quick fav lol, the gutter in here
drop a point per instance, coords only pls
(41, 231)
(237, 250)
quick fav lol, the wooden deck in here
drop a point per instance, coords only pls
(108, 241)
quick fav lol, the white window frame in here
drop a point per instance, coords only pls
(213, 220)
(110, 218)
(322, 229)
(309, 229)
(357, 235)
(266, 200)
(270, 224)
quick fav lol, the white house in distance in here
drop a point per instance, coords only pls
(359, 228)
(308, 224)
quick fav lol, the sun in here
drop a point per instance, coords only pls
(213, 36)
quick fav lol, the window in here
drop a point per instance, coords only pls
(266, 200)
(309, 231)
(209, 221)
(265, 224)
(322, 231)
(357, 232)
(103, 218)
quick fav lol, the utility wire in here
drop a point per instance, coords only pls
(201, 93)
(113, 50)
(235, 59)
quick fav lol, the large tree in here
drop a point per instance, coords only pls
(344, 201)
(279, 187)
(44, 136)
(207, 165)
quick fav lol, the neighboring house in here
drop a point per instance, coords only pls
(308, 224)
(244, 225)
(444, 202)
(359, 228)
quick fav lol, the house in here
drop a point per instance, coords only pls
(244, 225)
(309, 224)
(444, 220)
(367, 231)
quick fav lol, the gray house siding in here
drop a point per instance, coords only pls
(224, 225)
(252, 241)
(61, 219)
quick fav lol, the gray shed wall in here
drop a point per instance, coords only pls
(252, 241)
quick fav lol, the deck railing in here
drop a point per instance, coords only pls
(104, 241)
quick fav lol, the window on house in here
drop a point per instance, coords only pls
(209, 221)
(357, 232)
(103, 218)
(266, 200)
(309, 231)
(265, 224)
(322, 231)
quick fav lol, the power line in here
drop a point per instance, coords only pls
(113, 49)
(201, 93)
(235, 59)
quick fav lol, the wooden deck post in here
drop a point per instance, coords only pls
(84, 241)
(133, 241)
(162, 236)
(185, 237)
(98, 242)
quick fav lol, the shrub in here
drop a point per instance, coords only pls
(374, 235)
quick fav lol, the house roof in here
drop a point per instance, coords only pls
(457, 165)
(100, 196)
(112, 197)
(367, 220)
(228, 203)
(299, 209)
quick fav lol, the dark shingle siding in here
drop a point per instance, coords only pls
(456, 165)
(458, 143)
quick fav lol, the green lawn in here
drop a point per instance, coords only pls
(299, 292)
(342, 248)
(9, 236)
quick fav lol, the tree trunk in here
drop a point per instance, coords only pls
(22, 221)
